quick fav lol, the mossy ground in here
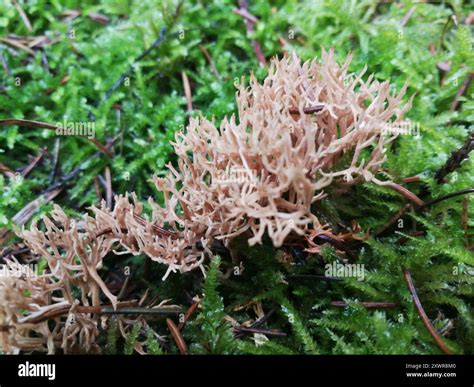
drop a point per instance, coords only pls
(405, 42)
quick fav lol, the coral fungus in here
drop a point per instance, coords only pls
(305, 128)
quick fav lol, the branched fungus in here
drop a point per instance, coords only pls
(308, 127)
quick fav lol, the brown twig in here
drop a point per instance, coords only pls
(7, 171)
(123, 289)
(99, 18)
(187, 91)
(178, 339)
(47, 195)
(44, 60)
(284, 45)
(392, 220)
(461, 91)
(407, 17)
(457, 157)
(12, 252)
(5, 328)
(423, 316)
(307, 110)
(214, 70)
(63, 81)
(412, 179)
(61, 310)
(156, 229)
(246, 15)
(108, 188)
(127, 307)
(14, 43)
(445, 197)
(406, 193)
(262, 320)
(250, 22)
(23, 16)
(141, 311)
(69, 15)
(5, 64)
(27, 212)
(450, 20)
(469, 19)
(28, 168)
(97, 188)
(265, 332)
(71, 175)
(188, 315)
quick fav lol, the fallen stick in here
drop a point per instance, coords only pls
(178, 339)
(424, 317)
(250, 22)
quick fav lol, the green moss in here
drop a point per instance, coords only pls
(153, 108)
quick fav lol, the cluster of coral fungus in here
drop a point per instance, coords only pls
(306, 127)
